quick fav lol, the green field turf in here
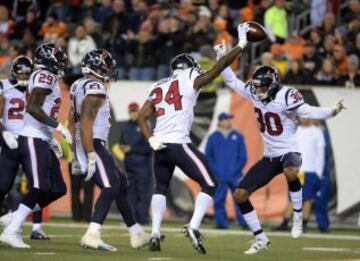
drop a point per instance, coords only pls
(221, 245)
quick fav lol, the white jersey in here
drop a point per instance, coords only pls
(174, 99)
(79, 90)
(312, 148)
(46, 80)
(277, 119)
(14, 107)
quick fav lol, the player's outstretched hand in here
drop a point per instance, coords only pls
(10, 140)
(220, 49)
(91, 165)
(56, 147)
(155, 144)
(65, 132)
(338, 107)
(242, 34)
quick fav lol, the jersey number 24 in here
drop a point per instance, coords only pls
(172, 97)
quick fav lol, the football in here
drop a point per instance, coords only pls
(257, 32)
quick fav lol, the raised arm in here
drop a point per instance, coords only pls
(231, 80)
(225, 61)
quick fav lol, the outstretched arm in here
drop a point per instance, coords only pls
(234, 82)
(319, 113)
(214, 72)
(225, 61)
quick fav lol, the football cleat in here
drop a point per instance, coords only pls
(5, 219)
(257, 245)
(13, 239)
(195, 238)
(39, 235)
(297, 227)
(139, 240)
(154, 244)
(93, 241)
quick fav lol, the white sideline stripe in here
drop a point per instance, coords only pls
(45, 253)
(331, 249)
(34, 165)
(199, 164)
(102, 171)
(159, 258)
(214, 232)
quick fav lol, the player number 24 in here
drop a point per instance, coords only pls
(172, 97)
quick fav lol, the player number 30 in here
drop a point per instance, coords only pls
(269, 122)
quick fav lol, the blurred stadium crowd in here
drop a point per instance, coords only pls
(143, 35)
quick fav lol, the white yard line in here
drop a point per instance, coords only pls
(159, 258)
(45, 253)
(331, 249)
(214, 232)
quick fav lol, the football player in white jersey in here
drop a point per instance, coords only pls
(12, 110)
(171, 101)
(91, 119)
(275, 107)
(40, 163)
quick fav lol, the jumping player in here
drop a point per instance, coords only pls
(171, 101)
(275, 107)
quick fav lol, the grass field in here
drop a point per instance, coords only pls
(220, 245)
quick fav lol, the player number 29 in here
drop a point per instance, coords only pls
(265, 122)
(172, 97)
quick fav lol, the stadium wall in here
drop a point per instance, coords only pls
(271, 200)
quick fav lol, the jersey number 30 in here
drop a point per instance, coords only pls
(172, 97)
(265, 122)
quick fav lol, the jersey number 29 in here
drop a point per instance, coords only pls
(172, 97)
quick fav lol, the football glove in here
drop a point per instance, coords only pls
(91, 165)
(338, 107)
(242, 32)
(56, 147)
(220, 50)
(10, 140)
(65, 132)
(155, 144)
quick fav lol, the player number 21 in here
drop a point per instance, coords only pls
(172, 97)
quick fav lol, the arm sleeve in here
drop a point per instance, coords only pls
(234, 83)
(94, 87)
(312, 112)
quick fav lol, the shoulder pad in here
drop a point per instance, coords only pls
(293, 98)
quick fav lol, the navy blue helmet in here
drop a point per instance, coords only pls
(100, 63)
(184, 61)
(49, 56)
(265, 78)
(21, 70)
